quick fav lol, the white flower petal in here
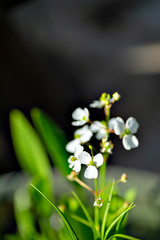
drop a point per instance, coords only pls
(86, 112)
(91, 172)
(95, 126)
(111, 100)
(130, 141)
(71, 146)
(81, 131)
(111, 123)
(85, 157)
(119, 126)
(86, 136)
(96, 104)
(78, 151)
(98, 159)
(78, 114)
(71, 163)
(78, 123)
(77, 166)
(132, 124)
(101, 134)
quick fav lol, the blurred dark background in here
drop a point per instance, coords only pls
(58, 55)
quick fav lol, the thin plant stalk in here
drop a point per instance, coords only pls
(96, 208)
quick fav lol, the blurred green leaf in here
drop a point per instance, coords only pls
(67, 224)
(28, 146)
(32, 156)
(53, 138)
(24, 217)
(130, 194)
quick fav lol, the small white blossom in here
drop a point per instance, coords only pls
(107, 146)
(82, 135)
(74, 161)
(71, 146)
(98, 202)
(126, 131)
(96, 104)
(92, 162)
(81, 116)
(99, 128)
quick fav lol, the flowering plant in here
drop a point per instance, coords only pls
(105, 216)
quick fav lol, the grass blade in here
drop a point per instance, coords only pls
(67, 224)
(96, 234)
(117, 219)
(79, 219)
(123, 236)
(106, 210)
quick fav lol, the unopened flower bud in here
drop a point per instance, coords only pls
(116, 96)
(72, 175)
(124, 178)
(62, 207)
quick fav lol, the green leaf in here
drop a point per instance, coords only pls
(23, 214)
(32, 156)
(67, 224)
(123, 236)
(96, 234)
(106, 210)
(117, 219)
(28, 146)
(53, 138)
(79, 219)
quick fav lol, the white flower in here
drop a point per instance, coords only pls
(98, 202)
(99, 128)
(92, 162)
(81, 116)
(82, 135)
(126, 130)
(96, 104)
(71, 146)
(74, 161)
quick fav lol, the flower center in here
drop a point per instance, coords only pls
(127, 131)
(77, 136)
(73, 159)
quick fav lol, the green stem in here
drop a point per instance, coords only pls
(107, 113)
(104, 166)
(96, 208)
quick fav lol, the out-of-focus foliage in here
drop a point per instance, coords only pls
(53, 137)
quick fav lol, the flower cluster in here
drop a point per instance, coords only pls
(101, 130)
